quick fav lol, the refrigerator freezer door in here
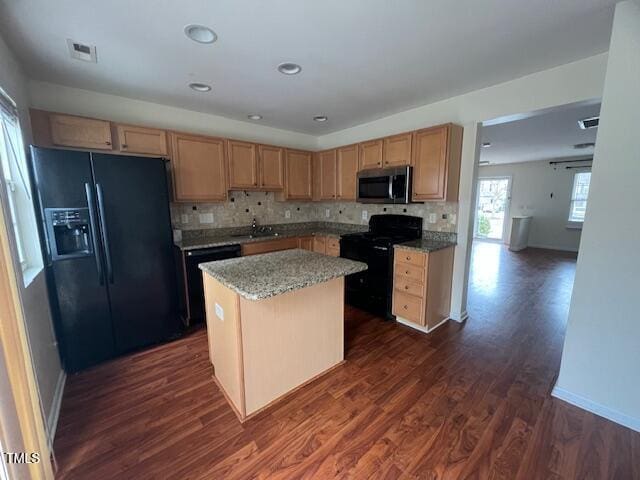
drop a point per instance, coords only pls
(133, 201)
(79, 301)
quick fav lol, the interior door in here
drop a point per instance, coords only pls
(133, 203)
(492, 208)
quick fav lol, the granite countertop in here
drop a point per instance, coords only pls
(222, 240)
(258, 277)
(425, 245)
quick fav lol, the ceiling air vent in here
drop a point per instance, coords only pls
(580, 146)
(591, 122)
(80, 51)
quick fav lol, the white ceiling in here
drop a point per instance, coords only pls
(545, 136)
(361, 59)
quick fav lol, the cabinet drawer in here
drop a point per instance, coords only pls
(411, 257)
(333, 243)
(411, 272)
(408, 307)
(403, 284)
(269, 246)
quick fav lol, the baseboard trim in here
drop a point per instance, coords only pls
(553, 247)
(420, 328)
(459, 316)
(56, 403)
(595, 408)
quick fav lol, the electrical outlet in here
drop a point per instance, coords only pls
(287, 214)
(432, 218)
(365, 215)
(327, 212)
(206, 217)
(184, 218)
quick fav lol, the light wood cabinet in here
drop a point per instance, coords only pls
(142, 140)
(397, 150)
(198, 165)
(437, 153)
(297, 175)
(371, 154)
(327, 170)
(306, 243)
(81, 132)
(271, 167)
(422, 287)
(347, 170)
(267, 246)
(243, 165)
(320, 245)
(332, 246)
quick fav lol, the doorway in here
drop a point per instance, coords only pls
(492, 208)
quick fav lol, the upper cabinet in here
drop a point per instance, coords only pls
(143, 140)
(271, 167)
(397, 150)
(327, 171)
(198, 168)
(437, 152)
(371, 154)
(298, 176)
(243, 165)
(347, 169)
(80, 132)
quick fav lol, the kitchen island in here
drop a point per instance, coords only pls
(274, 322)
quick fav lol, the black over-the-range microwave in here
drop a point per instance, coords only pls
(385, 185)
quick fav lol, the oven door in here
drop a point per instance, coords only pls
(385, 185)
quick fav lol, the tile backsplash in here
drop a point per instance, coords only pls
(242, 207)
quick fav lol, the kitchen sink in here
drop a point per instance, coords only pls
(255, 235)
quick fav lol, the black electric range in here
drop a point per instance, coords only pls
(372, 289)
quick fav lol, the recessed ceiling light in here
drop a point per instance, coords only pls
(254, 116)
(200, 33)
(320, 118)
(486, 144)
(289, 68)
(200, 87)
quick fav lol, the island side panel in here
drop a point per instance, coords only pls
(439, 278)
(225, 347)
(289, 339)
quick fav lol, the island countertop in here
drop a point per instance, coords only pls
(257, 277)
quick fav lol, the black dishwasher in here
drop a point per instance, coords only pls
(193, 304)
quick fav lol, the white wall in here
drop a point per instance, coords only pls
(58, 98)
(601, 358)
(532, 184)
(570, 83)
(37, 314)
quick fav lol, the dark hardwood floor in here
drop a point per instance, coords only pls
(467, 401)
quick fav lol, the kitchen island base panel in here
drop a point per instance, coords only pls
(263, 349)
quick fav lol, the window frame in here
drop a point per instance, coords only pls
(572, 220)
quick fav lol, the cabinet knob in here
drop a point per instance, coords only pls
(406, 272)
(405, 307)
(406, 287)
(408, 258)
(107, 143)
(124, 145)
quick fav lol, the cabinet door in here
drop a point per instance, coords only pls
(243, 165)
(320, 245)
(371, 154)
(271, 167)
(71, 131)
(397, 150)
(430, 163)
(306, 243)
(269, 246)
(347, 172)
(198, 168)
(327, 165)
(132, 139)
(298, 175)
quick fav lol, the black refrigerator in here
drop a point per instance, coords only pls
(106, 235)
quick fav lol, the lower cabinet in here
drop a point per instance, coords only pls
(320, 245)
(306, 243)
(267, 246)
(422, 287)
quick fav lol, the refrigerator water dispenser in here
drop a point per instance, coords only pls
(68, 232)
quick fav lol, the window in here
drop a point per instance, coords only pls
(579, 196)
(20, 205)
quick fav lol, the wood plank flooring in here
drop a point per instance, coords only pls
(467, 401)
